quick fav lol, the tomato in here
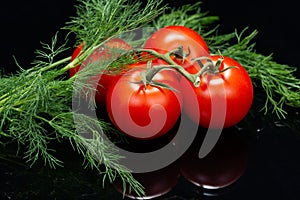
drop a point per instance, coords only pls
(223, 99)
(144, 111)
(101, 80)
(171, 37)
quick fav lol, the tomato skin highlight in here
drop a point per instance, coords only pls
(169, 38)
(102, 80)
(230, 90)
(144, 111)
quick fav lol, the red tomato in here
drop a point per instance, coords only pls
(171, 37)
(144, 111)
(223, 99)
(101, 80)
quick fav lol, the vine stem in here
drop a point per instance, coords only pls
(194, 78)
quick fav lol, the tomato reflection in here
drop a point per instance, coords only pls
(224, 165)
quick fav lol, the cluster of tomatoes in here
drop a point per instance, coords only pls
(145, 99)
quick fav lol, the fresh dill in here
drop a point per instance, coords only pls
(40, 96)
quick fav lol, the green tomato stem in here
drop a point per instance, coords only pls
(194, 78)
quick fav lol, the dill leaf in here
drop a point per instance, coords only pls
(100, 19)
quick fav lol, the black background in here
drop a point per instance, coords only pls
(275, 170)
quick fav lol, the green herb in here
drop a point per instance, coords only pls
(100, 19)
(41, 96)
(189, 15)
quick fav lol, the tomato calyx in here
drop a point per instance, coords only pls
(219, 63)
(148, 75)
(179, 54)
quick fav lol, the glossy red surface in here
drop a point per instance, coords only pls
(224, 165)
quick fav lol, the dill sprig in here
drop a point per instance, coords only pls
(189, 15)
(97, 20)
(36, 101)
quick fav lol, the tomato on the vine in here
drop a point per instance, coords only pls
(101, 80)
(144, 110)
(172, 37)
(223, 99)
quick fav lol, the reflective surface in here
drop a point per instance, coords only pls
(223, 166)
(272, 170)
(156, 184)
